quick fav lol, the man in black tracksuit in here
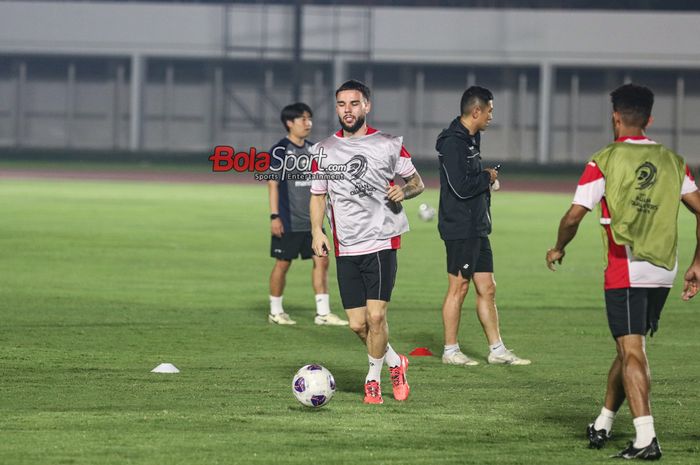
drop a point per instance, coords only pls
(465, 224)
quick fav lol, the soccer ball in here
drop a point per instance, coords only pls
(313, 385)
(426, 212)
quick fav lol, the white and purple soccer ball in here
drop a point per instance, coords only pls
(313, 385)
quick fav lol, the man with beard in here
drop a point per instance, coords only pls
(357, 171)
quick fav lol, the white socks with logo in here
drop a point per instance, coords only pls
(498, 348)
(375, 369)
(323, 306)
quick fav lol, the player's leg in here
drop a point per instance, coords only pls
(353, 294)
(283, 249)
(599, 431)
(459, 255)
(457, 288)
(319, 281)
(379, 275)
(377, 328)
(357, 319)
(486, 310)
(635, 373)
(377, 340)
(632, 312)
(615, 391)
(637, 382)
(319, 275)
(278, 279)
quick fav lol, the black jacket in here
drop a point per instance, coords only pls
(465, 195)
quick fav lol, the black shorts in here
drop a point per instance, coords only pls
(469, 256)
(291, 245)
(635, 310)
(363, 277)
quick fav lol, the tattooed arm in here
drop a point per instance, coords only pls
(414, 186)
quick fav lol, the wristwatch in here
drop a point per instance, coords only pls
(274, 216)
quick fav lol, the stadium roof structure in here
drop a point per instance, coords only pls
(631, 5)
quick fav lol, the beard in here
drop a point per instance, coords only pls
(355, 127)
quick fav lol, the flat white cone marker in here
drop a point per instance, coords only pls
(165, 368)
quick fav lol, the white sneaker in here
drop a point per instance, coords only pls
(458, 358)
(281, 319)
(508, 358)
(330, 320)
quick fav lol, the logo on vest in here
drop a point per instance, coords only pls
(356, 168)
(646, 175)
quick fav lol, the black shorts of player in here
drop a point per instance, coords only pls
(469, 256)
(291, 245)
(366, 277)
(635, 310)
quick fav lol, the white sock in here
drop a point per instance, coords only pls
(391, 357)
(604, 420)
(498, 348)
(276, 305)
(375, 369)
(323, 304)
(451, 349)
(645, 431)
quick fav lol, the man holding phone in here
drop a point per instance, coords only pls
(464, 222)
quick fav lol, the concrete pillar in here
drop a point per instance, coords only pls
(340, 71)
(544, 126)
(20, 103)
(216, 115)
(168, 106)
(138, 74)
(471, 79)
(419, 112)
(70, 104)
(117, 105)
(678, 117)
(574, 119)
(522, 116)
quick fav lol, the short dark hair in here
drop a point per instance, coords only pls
(354, 84)
(294, 111)
(475, 95)
(633, 103)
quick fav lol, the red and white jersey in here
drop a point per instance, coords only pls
(362, 219)
(624, 269)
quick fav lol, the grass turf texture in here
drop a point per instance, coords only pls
(100, 282)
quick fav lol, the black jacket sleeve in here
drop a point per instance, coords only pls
(464, 175)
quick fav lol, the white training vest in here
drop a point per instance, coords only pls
(358, 208)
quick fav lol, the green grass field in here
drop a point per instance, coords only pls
(100, 282)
